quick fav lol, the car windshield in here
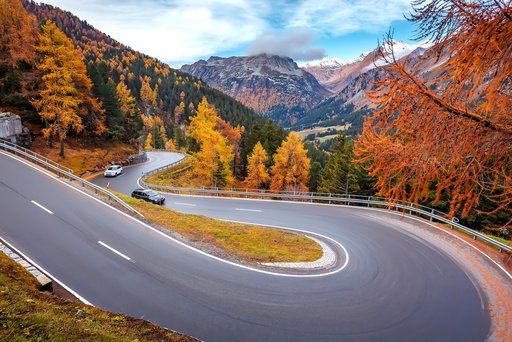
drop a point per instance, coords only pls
(152, 193)
(112, 168)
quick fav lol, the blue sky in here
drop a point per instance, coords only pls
(183, 31)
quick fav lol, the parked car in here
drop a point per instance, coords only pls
(113, 171)
(148, 195)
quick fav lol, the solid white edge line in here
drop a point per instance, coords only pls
(40, 206)
(253, 210)
(48, 274)
(184, 244)
(114, 250)
(350, 207)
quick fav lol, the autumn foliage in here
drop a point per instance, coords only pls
(455, 137)
(257, 174)
(291, 165)
(215, 155)
(66, 89)
(18, 32)
(18, 35)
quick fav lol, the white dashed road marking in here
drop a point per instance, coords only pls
(45, 209)
(113, 250)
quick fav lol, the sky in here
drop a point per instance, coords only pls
(183, 31)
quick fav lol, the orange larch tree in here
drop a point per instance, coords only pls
(59, 99)
(215, 157)
(455, 136)
(291, 165)
(169, 145)
(257, 175)
(18, 35)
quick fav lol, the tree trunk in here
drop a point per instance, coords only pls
(49, 141)
(62, 147)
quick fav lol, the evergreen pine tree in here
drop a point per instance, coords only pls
(339, 175)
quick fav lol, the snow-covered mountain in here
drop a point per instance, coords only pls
(326, 62)
(336, 76)
(351, 104)
(398, 49)
(329, 90)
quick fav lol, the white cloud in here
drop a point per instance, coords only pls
(174, 31)
(295, 43)
(178, 31)
(339, 17)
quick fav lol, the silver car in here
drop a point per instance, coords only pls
(113, 171)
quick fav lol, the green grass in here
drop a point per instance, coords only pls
(327, 137)
(181, 175)
(497, 238)
(494, 237)
(29, 315)
(319, 129)
(243, 242)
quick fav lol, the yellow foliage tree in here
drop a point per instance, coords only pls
(128, 103)
(215, 156)
(291, 165)
(163, 135)
(59, 101)
(147, 95)
(148, 145)
(169, 145)
(257, 174)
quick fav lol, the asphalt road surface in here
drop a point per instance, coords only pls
(397, 286)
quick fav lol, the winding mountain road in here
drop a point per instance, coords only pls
(402, 282)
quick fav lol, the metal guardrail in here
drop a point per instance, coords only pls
(61, 172)
(17, 148)
(408, 208)
(146, 174)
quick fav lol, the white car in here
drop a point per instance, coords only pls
(113, 171)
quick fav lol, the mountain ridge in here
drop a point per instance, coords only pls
(272, 85)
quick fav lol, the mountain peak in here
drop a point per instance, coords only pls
(326, 62)
(272, 85)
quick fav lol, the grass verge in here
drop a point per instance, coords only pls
(494, 237)
(497, 238)
(181, 175)
(29, 315)
(243, 242)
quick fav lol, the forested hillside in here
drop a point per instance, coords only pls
(168, 87)
(71, 80)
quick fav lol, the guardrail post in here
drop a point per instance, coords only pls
(369, 200)
(410, 211)
(348, 202)
(432, 212)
